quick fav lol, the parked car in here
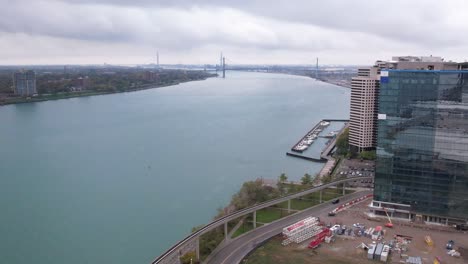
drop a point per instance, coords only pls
(463, 227)
(450, 244)
(342, 230)
(331, 213)
(334, 228)
(335, 201)
(358, 225)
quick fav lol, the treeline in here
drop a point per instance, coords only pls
(343, 149)
(102, 80)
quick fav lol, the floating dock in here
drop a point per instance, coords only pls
(306, 158)
(330, 145)
(309, 138)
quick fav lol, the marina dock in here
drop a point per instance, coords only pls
(325, 155)
(310, 137)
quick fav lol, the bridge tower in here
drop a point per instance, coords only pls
(224, 67)
(221, 61)
(316, 70)
(157, 59)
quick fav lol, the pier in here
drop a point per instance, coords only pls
(309, 138)
(305, 157)
(325, 155)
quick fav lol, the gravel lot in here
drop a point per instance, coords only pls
(344, 250)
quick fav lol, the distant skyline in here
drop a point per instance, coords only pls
(247, 32)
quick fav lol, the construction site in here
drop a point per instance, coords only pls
(349, 235)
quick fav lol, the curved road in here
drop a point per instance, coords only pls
(238, 248)
(172, 253)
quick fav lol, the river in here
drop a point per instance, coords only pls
(120, 178)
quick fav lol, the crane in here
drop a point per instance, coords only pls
(389, 224)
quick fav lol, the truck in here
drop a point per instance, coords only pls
(319, 238)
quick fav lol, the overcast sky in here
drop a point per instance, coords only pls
(247, 32)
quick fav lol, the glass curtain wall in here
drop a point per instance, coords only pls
(422, 142)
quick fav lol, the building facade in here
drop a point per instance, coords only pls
(25, 83)
(363, 109)
(422, 146)
(365, 92)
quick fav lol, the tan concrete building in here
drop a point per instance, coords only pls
(363, 110)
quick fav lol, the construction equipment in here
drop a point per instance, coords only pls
(429, 241)
(389, 224)
(319, 238)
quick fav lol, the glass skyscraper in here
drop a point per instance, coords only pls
(422, 145)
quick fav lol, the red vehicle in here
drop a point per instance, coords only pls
(319, 238)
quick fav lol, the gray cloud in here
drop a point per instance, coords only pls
(343, 31)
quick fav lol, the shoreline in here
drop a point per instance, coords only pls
(312, 77)
(21, 100)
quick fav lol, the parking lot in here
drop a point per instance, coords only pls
(356, 168)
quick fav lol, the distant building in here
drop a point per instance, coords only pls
(25, 83)
(150, 76)
(365, 90)
(81, 83)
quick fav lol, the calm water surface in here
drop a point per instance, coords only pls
(120, 178)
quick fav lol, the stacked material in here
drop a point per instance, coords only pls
(414, 260)
(301, 231)
(454, 253)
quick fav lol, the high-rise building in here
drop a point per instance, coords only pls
(25, 83)
(422, 143)
(81, 83)
(362, 125)
(364, 94)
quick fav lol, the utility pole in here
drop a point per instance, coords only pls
(224, 67)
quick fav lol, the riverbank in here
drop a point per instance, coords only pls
(341, 83)
(68, 95)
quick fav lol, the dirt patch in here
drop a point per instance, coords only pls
(343, 250)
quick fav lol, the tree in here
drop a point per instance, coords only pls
(306, 179)
(189, 258)
(292, 187)
(326, 179)
(342, 145)
(368, 155)
(282, 179)
(253, 192)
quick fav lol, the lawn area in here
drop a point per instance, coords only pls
(244, 228)
(299, 204)
(314, 198)
(270, 214)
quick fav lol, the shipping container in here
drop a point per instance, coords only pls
(378, 251)
(385, 253)
(370, 252)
